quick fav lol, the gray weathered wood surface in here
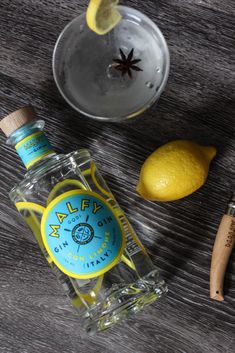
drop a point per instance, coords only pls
(199, 104)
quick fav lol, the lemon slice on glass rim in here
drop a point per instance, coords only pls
(102, 15)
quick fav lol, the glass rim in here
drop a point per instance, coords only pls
(145, 106)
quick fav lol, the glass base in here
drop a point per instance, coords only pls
(122, 302)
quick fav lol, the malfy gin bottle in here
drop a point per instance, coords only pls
(80, 228)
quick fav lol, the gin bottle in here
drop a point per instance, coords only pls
(81, 230)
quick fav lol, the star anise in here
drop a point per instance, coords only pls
(127, 63)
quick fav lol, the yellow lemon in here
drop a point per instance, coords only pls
(102, 15)
(175, 170)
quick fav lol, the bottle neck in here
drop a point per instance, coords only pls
(31, 143)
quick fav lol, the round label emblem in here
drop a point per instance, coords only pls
(82, 235)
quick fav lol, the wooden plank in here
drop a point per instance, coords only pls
(198, 104)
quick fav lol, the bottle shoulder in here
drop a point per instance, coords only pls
(47, 166)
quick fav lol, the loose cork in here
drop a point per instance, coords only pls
(223, 246)
(15, 120)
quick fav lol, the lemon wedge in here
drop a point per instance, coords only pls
(102, 15)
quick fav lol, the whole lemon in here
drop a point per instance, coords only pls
(175, 170)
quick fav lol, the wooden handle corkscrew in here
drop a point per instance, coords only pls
(223, 246)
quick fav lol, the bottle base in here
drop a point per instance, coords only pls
(122, 302)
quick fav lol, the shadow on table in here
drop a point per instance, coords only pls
(210, 125)
(229, 276)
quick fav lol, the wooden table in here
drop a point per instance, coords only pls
(198, 104)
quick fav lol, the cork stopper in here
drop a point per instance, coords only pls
(15, 120)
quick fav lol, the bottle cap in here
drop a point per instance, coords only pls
(15, 120)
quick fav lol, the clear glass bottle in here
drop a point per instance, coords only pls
(80, 228)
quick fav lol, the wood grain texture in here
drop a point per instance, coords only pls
(199, 104)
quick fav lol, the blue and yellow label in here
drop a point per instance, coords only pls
(82, 235)
(33, 148)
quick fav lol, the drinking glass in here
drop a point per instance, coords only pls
(86, 71)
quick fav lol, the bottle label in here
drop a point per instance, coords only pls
(82, 235)
(33, 148)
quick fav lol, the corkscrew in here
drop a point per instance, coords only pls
(222, 250)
